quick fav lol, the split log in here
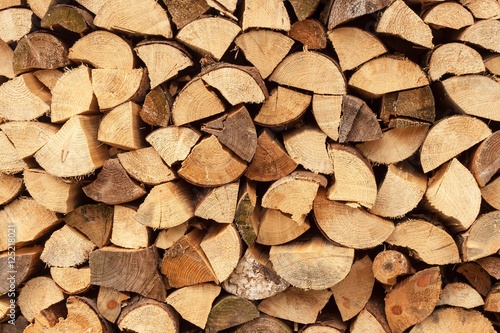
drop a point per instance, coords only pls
(157, 106)
(62, 17)
(225, 7)
(127, 232)
(482, 238)
(10, 161)
(338, 12)
(246, 216)
(492, 64)
(456, 59)
(38, 294)
(167, 237)
(28, 136)
(147, 315)
(269, 14)
(219, 204)
(491, 265)
(370, 320)
(490, 193)
(388, 265)
(482, 9)
(450, 15)
(477, 277)
(358, 122)
(485, 163)
(460, 295)
(10, 188)
(48, 77)
(11, 3)
(492, 301)
(109, 303)
(27, 264)
(263, 324)
(311, 33)
(40, 7)
(327, 113)
(15, 23)
(277, 228)
(70, 279)
(173, 143)
(146, 166)
(415, 104)
(94, 220)
(481, 33)
(185, 11)
(7, 54)
(230, 311)
(462, 321)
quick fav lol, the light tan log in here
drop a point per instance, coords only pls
(225, 7)
(327, 113)
(10, 188)
(415, 104)
(361, 189)
(10, 162)
(482, 33)
(164, 60)
(358, 122)
(24, 98)
(437, 147)
(74, 151)
(269, 14)
(315, 264)
(219, 204)
(127, 232)
(122, 16)
(349, 226)
(71, 280)
(447, 192)
(176, 206)
(388, 265)
(11, 3)
(482, 239)
(493, 64)
(485, 163)
(461, 295)
(477, 277)
(296, 305)
(283, 107)
(109, 303)
(454, 58)
(94, 220)
(185, 11)
(146, 166)
(6, 56)
(492, 301)
(26, 265)
(54, 193)
(338, 12)
(490, 193)
(476, 95)
(102, 49)
(264, 49)
(413, 299)
(491, 265)
(194, 303)
(367, 322)
(387, 74)
(167, 237)
(483, 9)
(31, 221)
(310, 33)
(254, 277)
(66, 247)
(448, 15)
(38, 294)
(427, 242)
(230, 311)
(457, 319)
(352, 293)
(15, 23)
(277, 228)
(265, 324)
(146, 315)
(28, 136)
(173, 143)
(40, 7)
(48, 77)
(299, 70)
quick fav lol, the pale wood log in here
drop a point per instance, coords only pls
(264, 324)
(294, 194)
(401, 190)
(156, 109)
(185, 263)
(71, 280)
(482, 33)
(194, 102)
(456, 59)
(24, 98)
(413, 299)
(492, 64)
(254, 277)
(54, 193)
(185, 11)
(194, 303)
(225, 7)
(209, 36)
(327, 113)
(4, 308)
(296, 305)
(10, 161)
(299, 70)
(454, 319)
(268, 14)
(349, 226)
(387, 74)
(358, 122)
(15, 23)
(146, 315)
(122, 16)
(48, 77)
(307, 146)
(28, 136)
(237, 84)
(102, 49)
(31, 221)
(40, 7)
(414, 103)
(283, 107)
(483, 9)
(401, 21)
(246, 217)
(167, 205)
(448, 15)
(485, 162)
(127, 232)
(482, 238)
(11, 3)
(338, 12)
(388, 265)
(74, 150)
(219, 204)
(146, 166)
(477, 277)
(128, 270)
(367, 322)
(67, 18)
(361, 189)
(492, 301)
(353, 292)
(27, 264)
(109, 302)
(94, 220)
(66, 247)
(10, 188)
(211, 164)
(460, 295)
(6, 56)
(164, 60)
(230, 311)
(427, 242)
(48, 317)
(277, 228)
(38, 294)
(113, 185)
(114, 86)
(320, 329)
(311, 33)
(173, 143)
(490, 193)
(491, 265)
(264, 49)
(167, 237)
(323, 263)
(236, 131)
(447, 191)
(437, 147)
